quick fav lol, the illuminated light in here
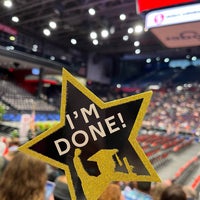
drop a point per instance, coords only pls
(112, 30)
(46, 32)
(35, 71)
(15, 19)
(122, 17)
(73, 41)
(179, 88)
(10, 48)
(188, 56)
(7, 3)
(52, 57)
(35, 48)
(136, 43)
(166, 60)
(53, 24)
(93, 35)
(194, 58)
(148, 60)
(157, 58)
(154, 87)
(130, 30)
(125, 37)
(95, 42)
(12, 38)
(91, 11)
(63, 58)
(104, 33)
(137, 51)
(138, 28)
(119, 85)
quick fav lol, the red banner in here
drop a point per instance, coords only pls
(144, 5)
(8, 29)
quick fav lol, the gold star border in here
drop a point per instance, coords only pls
(67, 77)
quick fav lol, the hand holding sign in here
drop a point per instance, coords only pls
(95, 142)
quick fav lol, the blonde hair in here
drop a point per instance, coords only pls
(24, 178)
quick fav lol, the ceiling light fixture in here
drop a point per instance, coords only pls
(194, 58)
(137, 51)
(138, 28)
(136, 43)
(166, 60)
(46, 32)
(104, 33)
(158, 59)
(35, 48)
(93, 35)
(125, 37)
(91, 11)
(52, 58)
(53, 24)
(95, 42)
(15, 19)
(73, 41)
(122, 17)
(112, 30)
(8, 3)
(12, 38)
(130, 30)
(148, 60)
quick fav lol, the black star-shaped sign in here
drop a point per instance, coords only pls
(95, 141)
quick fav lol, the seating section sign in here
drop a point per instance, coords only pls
(95, 142)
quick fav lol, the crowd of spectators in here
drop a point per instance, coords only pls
(25, 177)
(175, 110)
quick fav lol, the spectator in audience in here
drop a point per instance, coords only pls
(5, 159)
(61, 191)
(191, 194)
(157, 190)
(23, 179)
(173, 192)
(112, 192)
(2, 148)
(141, 192)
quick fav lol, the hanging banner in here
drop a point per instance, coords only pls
(144, 5)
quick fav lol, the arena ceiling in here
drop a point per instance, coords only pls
(74, 22)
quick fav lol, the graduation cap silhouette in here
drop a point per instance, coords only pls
(104, 159)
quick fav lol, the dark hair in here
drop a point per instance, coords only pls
(144, 186)
(57, 198)
(173, 192)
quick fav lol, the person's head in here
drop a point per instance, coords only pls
(112, 192)
(190, 192)
(144, 186)
(157, 190)
(61, 190)
(24, 178)
(173, 192)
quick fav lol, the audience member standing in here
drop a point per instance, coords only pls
(157, 190)
(141, 192)
(23, 179)
(61, 191)
(173, 192)
(112, 192)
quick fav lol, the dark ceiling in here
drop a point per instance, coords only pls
(74, 21)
